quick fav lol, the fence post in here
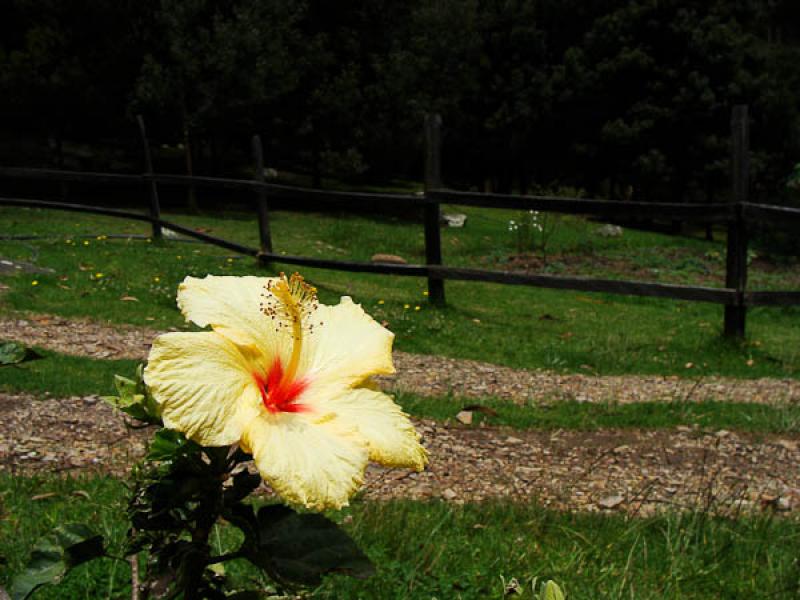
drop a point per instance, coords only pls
(262, 207)
(433, 180)
(736, 259)
(155, 206)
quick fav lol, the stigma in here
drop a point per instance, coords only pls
(279, 394)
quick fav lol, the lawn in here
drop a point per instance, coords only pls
(438, 550)
(434, 549)
(134, 281)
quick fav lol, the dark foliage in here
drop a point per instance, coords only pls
(620, 98)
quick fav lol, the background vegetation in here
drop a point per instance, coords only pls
(620, 98)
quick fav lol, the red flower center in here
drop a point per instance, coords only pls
(278, 393)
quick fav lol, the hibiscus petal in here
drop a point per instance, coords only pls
(317, 464)
(348, 346)
(390, 435)
(205, 386)
(232, 307)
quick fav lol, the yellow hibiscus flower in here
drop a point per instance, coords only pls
(286, 378)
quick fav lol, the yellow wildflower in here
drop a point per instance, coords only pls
(286, 378)
(34, 282)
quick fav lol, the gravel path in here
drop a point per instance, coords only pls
(634, 471)
(435, 375)
(637, 472)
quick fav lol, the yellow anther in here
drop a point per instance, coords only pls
(289, 302)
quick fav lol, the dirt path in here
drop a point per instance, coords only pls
(634, 471)
(434, 375)
(638, 472)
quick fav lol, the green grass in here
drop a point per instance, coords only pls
(434, 550)
(715, 415)
(97, 501)
(515, 326)
(60, 375)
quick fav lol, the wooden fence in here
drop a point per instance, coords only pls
(738, 215)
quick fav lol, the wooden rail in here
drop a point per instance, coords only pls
(612, 209)
(774, 216)
(439, 272)
(130, 215)
(70, 176)
(272, 189)
(739, 216)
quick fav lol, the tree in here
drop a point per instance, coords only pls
(662, 77)
(67, 68)
(215, 64)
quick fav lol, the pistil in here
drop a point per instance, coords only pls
(289, 303)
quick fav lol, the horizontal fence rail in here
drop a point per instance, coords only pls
(274, 190)
(592, 284)
(714, 213)
(124, 214)
(762, 214)
(70, 176)
(738, 216)
(582, 284)
(776, 216)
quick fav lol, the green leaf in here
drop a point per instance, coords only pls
(551, 591)
(67, 547)
(169, 445)
(134, 399)
(12, 353)
(300, 548)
